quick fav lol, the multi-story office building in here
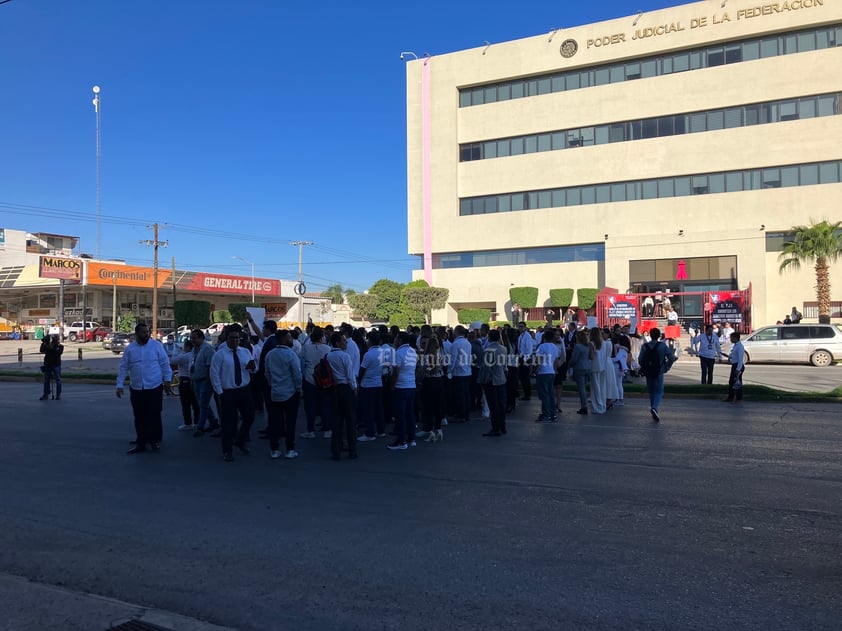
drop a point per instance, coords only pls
(669, 150)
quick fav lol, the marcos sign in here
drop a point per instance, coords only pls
(61, 268)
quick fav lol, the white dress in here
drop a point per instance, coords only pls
(610, 373)
(598, 381)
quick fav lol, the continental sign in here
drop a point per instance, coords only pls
(61, 268)
(126, 275)
(224, 284)
(723, 17)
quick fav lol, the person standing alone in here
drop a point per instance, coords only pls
(655, 360)
(735, 379)
(52, 349)
(146, 363)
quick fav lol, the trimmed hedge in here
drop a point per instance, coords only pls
(586, 298)
(192, 313)
(561, 297)
(466, 316)
(526, 297)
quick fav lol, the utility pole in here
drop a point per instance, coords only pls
(98, 170)
(300, 285)
(114, 300)
(155, 245)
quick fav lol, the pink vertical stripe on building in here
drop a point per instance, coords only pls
(425, 171)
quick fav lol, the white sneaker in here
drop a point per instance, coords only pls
(443, 422)
(365, 439)
(184, 427)
(275, 454)
(307, 434)
(381, 435)
(328, 434)
(619, 402)
(291, 454)
(412, 443)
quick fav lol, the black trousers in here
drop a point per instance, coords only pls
(147, 406)
(524, 374)
(707, 369)
(343, 416)
(283, 416)
(189, 404)
(432, 403)
(236, 401)
(735, 394)
(495, 396)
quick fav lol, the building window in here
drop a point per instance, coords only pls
(527, 256)
(679, 186)
(688, 123)
(632, 70)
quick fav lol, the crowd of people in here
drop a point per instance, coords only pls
(353, 383)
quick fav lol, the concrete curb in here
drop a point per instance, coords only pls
(29, 604)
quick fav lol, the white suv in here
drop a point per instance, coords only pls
(74, 330)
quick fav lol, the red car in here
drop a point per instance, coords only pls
(97, 334)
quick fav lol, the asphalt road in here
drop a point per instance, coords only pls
(721, 517)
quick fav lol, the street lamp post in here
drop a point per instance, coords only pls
(252, 274)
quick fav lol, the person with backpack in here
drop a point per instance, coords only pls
(655, 360)
(311, 355)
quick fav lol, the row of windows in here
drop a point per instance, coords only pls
(528, 256)
(707, 57)
(702, 184)
(740, 116)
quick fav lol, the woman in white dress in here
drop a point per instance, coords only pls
(610, 373)
(598, 367)
(621, 357)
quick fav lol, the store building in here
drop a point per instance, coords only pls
(672, 150)
(39, 272)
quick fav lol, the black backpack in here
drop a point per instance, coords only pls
(650, 365)
(323, 374)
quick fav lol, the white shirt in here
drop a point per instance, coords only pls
(147, 366)
(312, 353)
(545, 357)
(373, 364)
(342, 366)
(460, 358)
(222, 369)
(354, 353)
(709, 346)
(525, 344)
(405, 361)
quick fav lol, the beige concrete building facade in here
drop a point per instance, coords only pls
(670, 150)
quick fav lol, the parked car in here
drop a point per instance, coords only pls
(74, 331)
(216, 328)
(106, 341)
(120, 341)
(97, 334)
(819, 344)
(163, 333)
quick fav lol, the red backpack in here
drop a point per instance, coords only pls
(323, 374)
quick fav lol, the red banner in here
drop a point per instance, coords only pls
(224, 284)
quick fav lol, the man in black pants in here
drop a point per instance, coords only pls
(230, 374)
(342, 399)
(525, 347)
(146, 363)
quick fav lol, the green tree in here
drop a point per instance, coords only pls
(364, 305)
(126, 323)
(334, 293)
(466, 316)
(818, 244)
(388, 294)
(238, 310)
(423, 299)
(221, 315)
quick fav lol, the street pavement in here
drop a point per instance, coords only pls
(721, 517)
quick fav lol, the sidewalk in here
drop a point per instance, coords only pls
(30, 606)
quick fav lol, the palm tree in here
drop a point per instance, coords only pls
(819, 244)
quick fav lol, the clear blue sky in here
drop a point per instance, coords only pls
(268, 120)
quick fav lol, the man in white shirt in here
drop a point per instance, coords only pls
(312, 353)
(146, 363)
(709, 352)
(546, 362)
(230, 374)
(403, 386)
(459, 372)
(371, 390)
(343, 399)
(735, 379)
(525, 348)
